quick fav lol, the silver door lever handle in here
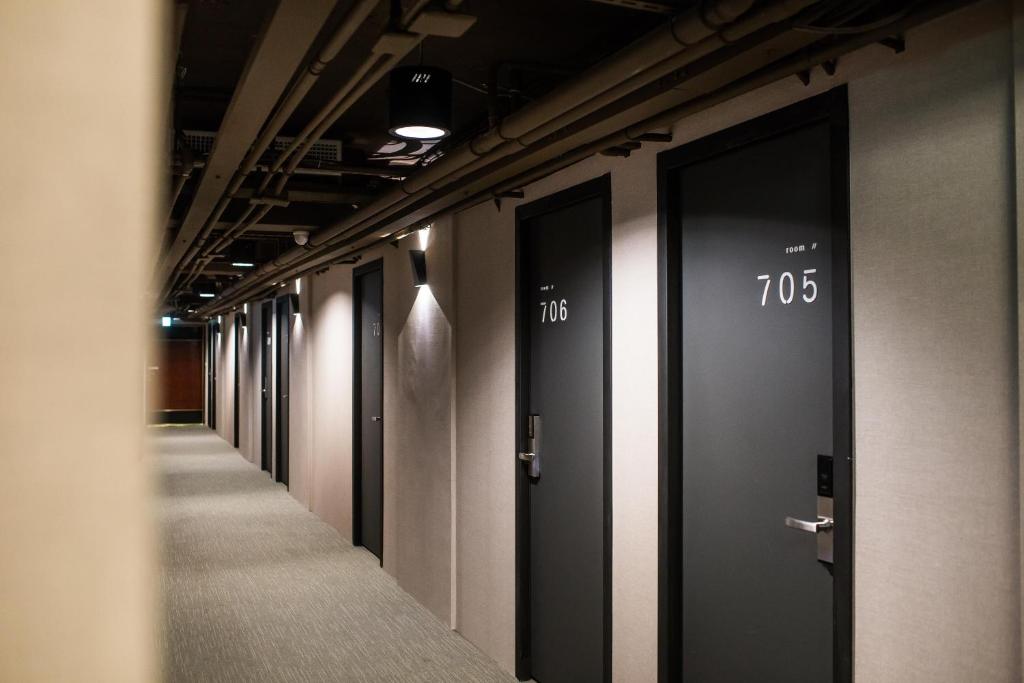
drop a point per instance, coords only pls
(527, 457)
(376, 418)
(823, 524)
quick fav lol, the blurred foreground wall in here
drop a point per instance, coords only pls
(81, 109)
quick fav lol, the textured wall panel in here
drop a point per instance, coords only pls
(934, 350)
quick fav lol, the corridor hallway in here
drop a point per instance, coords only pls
(256, 588)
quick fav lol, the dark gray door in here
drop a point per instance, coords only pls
(564, 548)
(284, 326)
(266, 399)
(368, 416)
(211, 374)
(238, 373)
(758, 404)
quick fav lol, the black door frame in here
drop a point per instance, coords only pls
(283, 313)
(597, 188)
(266, 386)
(357, 406)
(829, 107)
(239, 317)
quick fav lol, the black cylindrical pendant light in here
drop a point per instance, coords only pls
(421, 102)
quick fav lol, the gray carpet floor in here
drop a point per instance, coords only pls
(257, 588)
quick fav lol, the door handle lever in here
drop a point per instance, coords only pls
(376, 418)
(823, 524)
(527, 457)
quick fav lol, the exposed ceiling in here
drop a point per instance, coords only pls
(526, 47)
(515, 54)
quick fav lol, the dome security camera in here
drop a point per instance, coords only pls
(301, 237)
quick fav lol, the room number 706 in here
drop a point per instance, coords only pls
(787, 287)
(553, 311)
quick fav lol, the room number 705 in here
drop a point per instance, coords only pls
(787, 287)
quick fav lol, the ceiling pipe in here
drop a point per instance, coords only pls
(335, 170)
(687, 38)
(802, 61)
(391, 48)
(287, 32)
(349, 25)
(388, 53)
(184, 172)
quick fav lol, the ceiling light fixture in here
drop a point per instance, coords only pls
(206, 295)
(421, 102)
(242, 264)
(165, 321)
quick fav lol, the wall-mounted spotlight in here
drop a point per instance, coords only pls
(293, 302)
(241, 319)
(421, 102)
(418, 260)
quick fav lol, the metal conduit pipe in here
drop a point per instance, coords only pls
(241, 226)
(326, 111)
(349, 25)
(179, 184)
(390, 45)
(687, 37)
(681, 33)
(383, 67)
(556, 129)
(727, 35)
(706, 75)
(798, 63)
(371, 71)
(417, 187)
(390, 49)
(334, 169)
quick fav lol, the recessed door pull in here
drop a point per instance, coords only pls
(823, 524)
(376, 418)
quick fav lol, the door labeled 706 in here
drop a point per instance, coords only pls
(786, 286)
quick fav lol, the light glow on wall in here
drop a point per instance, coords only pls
(298, 285)
(424, 236)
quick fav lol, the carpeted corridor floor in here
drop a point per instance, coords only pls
(257, 588)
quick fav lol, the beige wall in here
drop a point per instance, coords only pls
(225, 351)
(934, 349)
(77, 582)
(332, 398)
(418, 409)
(934, 343)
